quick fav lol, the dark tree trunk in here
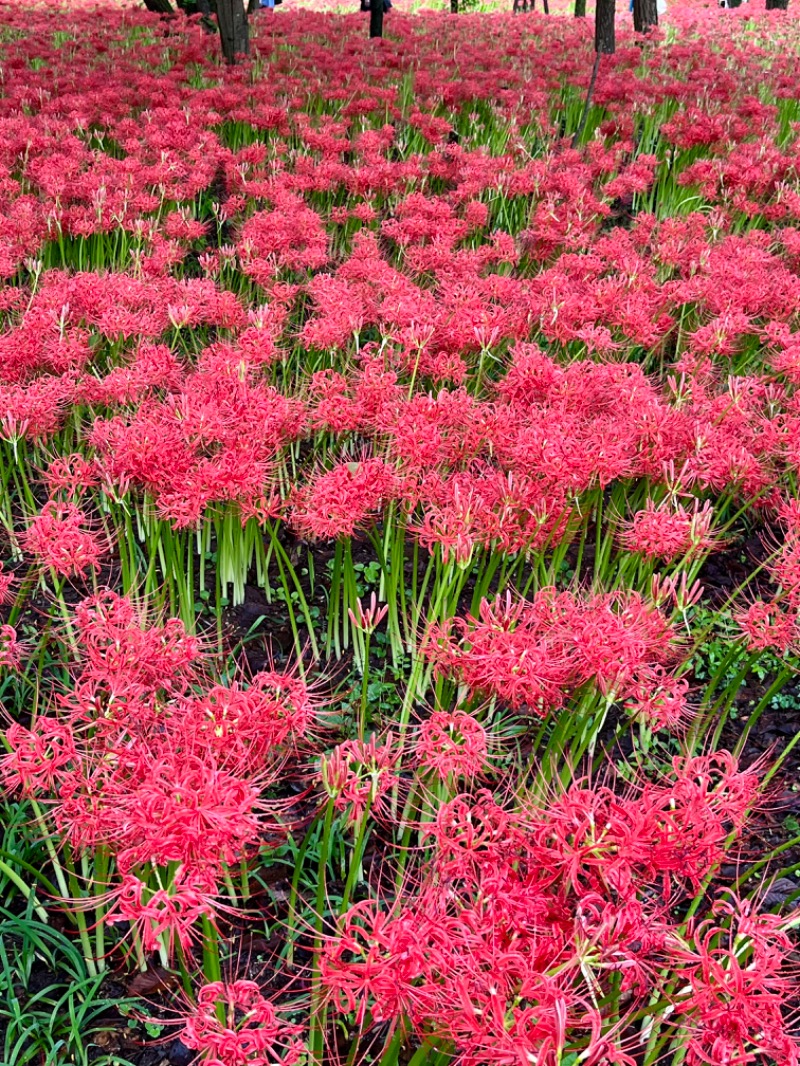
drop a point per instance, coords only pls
(253, 6)
(777, 5)
(645, 15)
(546, 6)
(207, 22)
(605, 40)
(605, 43)
(580, 9)
(162, 7)
(376, 18)
(453, 7)
(234, 31)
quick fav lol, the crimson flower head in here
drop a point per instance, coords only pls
(184, 809)
(670, 532)
(660, 700)
(533, 654)
(245, 725)
(733, 1006)
(70, 474)
(120, 650)
(10, 648)
(453, 745)
(341, 500)
(769, 625)
(358, 775)
(37, 756)
(164, 915)
(61, 539)
(6, 585)
(249, 1031)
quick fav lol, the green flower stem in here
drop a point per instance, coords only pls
(292, 918)
(354, 873)
(212, 967)
(363, 718)
(319, 1013)
(75, 893)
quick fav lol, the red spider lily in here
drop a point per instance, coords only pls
(71, 474)
(153, 368)
(244, 725)
(378, 293)
(7, 582)
(453, 745)
(342, 500)
(290, 236)
(507, 945)
(194, 448)
(534, 654)
(359, 776)
(165, 917)
(249, 1033)
(735, 996)
(661, 701)
(166, 772)
(768, 625)
(38, 755)
(128, 656)
(368, 620)
(671, 532)
(61, 539)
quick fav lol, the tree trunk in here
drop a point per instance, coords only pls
(605, 40)
(206, 21)
(162, 7)
(234, 31)
(645, 15)
(453, 7)
(253, 6)
(777, 5)
(546, 6)
(376, 18)
(580, 9)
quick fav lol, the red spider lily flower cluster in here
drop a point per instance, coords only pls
(525, 919)
(144, 758)
(248, 1032)
(453, 745)
(59, 537)
(361, 327)
(775, 623)
(670, 532)
(359, 776)
(537, 654)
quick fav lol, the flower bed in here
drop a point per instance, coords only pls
(401, 540)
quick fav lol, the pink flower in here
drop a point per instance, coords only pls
(60, 537)
(250, 1032)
